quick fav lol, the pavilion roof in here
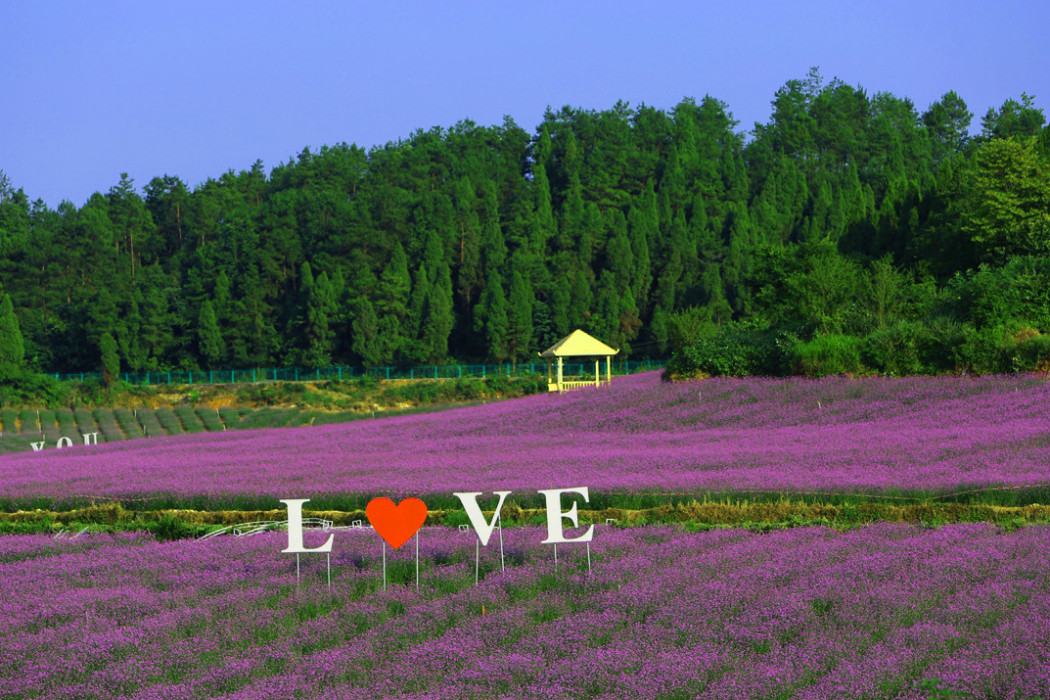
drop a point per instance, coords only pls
(579, 344)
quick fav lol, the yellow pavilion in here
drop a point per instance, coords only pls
(578, 344)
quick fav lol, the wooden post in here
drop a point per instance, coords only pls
(597, 373)
(559, 373)
(608, 369)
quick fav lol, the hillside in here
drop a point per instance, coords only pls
(848, 214)
(127, 412)
(874, 437)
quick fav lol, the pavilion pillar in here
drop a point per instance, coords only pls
(608, 369)
(559, 373)
(597, 373)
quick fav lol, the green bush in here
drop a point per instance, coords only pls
(895, 350)
(982, 350)
(170, 527)
(467, 390)
(22, 387)
(935, 347)
(990, 296)
(829, 354)
(1027, 350)
(735, 349)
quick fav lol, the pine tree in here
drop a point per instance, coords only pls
(493, 247)
(223, 302)
(468, 254)
(320, 338)
(605, 323)
(571, 227)
(416, 308)
(619, 258)
(130, 341)
(102, 315)
(394, 285)
(658, 328)
(132, 223)
(209, 337)
(391, 305)
(581, 302)
(367, 343)
(491, 318)
(439, 318)
(544, 229)
(643, 271)
(629, 323)
(714, 291)
(739, 260)
(519, 316)
(110, 358)
(560, 299)
(12, 346)
(668, 283)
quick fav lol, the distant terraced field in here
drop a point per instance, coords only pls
(20, 430)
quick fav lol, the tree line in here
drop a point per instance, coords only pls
(847, 215)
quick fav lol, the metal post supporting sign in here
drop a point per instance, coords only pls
(502, 565)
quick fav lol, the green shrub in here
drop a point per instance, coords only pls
(1027, 350)
(735, 349)
(21, 387)
(982, 350)
(170, 527)
(993, 295)
(895, 350)
(829, 354)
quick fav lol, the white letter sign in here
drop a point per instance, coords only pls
(295, 529)
(555, 533)
(477, 519)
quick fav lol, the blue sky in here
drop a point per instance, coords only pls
(194, 89)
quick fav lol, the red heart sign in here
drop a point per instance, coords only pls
(396, 523)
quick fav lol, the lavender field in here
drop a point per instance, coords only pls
(878, 435)
(884, 610)
(803, 613)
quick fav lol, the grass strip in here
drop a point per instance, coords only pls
(753, 516)
(959, 501)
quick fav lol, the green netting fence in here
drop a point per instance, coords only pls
(303, 374)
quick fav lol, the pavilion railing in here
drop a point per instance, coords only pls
(569, 386)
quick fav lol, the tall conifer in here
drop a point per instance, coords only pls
(209, 337)
(12, 346)
(519, 316)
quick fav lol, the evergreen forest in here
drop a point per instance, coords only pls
(852, 232)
